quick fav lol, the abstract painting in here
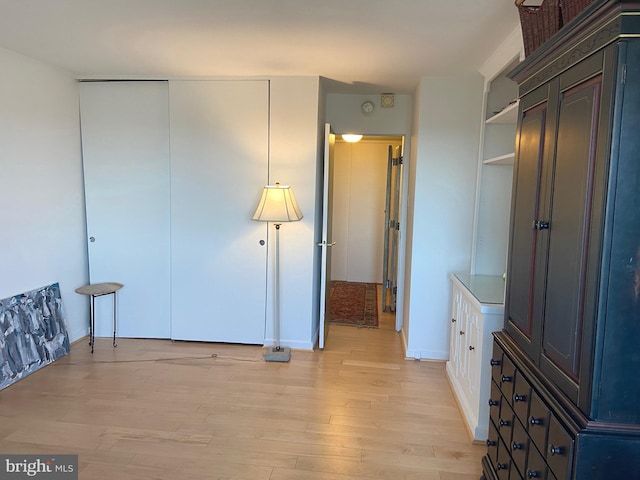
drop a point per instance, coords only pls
(32, 333)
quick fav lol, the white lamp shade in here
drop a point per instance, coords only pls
(278, 204)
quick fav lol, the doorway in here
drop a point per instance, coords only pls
(366, 198)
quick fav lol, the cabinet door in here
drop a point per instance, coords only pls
(454, 339)
(463, 355)
(219, 160)
(556, 225)
(525, 208)
(125, 151)
(568, 218)
(473, 350)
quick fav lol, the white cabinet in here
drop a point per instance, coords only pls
(477, 310)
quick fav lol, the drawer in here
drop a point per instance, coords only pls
(519, 446)
(495, 400)
(504, 465)
(536, 466)
(559, 449)
(496, 363)
(505, 423)
(521, 397)
(507, 377)
(538, 424)
(492, 443)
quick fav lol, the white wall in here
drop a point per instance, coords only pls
(441, 198)
(43, 237)
(344, 114)
(293, 161)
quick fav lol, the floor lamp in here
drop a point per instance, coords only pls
(277, 205)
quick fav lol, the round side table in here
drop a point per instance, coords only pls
(98, 290)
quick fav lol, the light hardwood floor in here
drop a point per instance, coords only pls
(155, 409)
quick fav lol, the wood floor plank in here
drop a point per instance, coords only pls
(360, 470)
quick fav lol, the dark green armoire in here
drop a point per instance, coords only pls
(565, 398)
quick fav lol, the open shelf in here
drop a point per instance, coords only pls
(507, 115)
(500, 160)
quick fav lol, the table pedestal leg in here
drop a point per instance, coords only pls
(114, 319)
(92, 323)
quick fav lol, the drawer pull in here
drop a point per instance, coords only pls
(504, 423)
(519, 398)
(494, 403)
(506, 378)
(536, 421)
(491, 443)
(495, 363)
(554, 450)
(516, 446)
(471, 348)
(533, 474)
(501, 466)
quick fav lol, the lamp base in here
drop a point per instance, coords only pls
(274, 354)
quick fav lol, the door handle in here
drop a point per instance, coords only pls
(322, 244)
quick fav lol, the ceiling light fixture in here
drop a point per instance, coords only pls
(351, 137)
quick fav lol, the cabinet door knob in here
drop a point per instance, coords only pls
(535, 421)
(471, 348)
(494, 403)
(533, 474)
(516, 446)
(453, 320)
(501, 466)
(461, 332)
(519, 398)
(495, 363)
(504, 423)
(540, 225)
(555, 450)
(491, 443)
(506, 378)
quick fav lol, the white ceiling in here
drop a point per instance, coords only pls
(363, 46)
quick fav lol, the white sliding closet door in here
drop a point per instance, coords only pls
(219, 161)
(125, 150)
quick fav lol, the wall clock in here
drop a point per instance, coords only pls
(367, 107)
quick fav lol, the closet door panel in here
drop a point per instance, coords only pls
(219, 161)
(125, 150)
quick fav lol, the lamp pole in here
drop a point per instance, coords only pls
(277, 287)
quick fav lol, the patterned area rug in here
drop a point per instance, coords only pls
(353, 303)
